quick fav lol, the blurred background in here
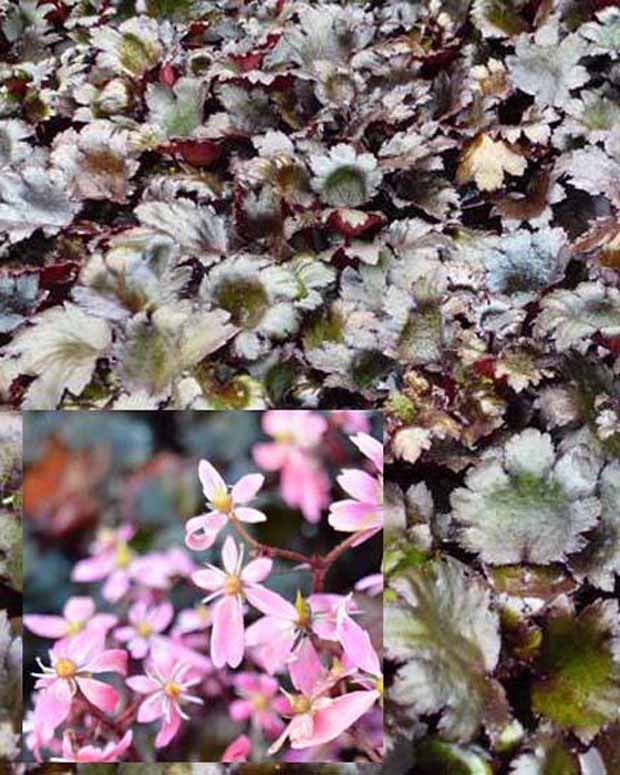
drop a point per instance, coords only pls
(87, 470)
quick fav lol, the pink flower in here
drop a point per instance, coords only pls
(74, 661)
(274, 636)
(202, 531)
(363, 512)
(157, 570)
(111, 559)
(238, 750)
(233, 586)
(166, 685)
(304, 484)
(259, 702)
(318, 718)
(145, 623)
(78, 614)
(112, 752)
(192, 620)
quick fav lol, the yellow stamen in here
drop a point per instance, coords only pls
(203, 613)
(74, 628)
(303, 611)
(284, 437)
(379, 685)
(300, 703)
(65, 668)
(123, 556)
(233, 585)
(144, 629)
(172, 690)
(222, 501)
(260, 702)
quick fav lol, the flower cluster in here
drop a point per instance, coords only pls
(298, 679)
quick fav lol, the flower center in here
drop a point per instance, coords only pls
(172, 690)
(65, 668)
(203, 613)
(144, 629)
(300, 703)
(74, 627)
(123, 555)
(379, 685)
(284, 437)
(260, 702)
(222, 502)
(233, 585)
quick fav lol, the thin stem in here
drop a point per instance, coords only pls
(318, 564)
(268, 551)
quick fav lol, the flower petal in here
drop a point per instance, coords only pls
(142, 684)
(257, 570)
(168, 728)
(331, 721)
(46, 626)
(211, 481)
(230, 555)
(245, 514)
(202, 531)
(103, 696)
(110, 661)
(269, 602)
(359, 485)
(247, 487)
(79, 609)
(227, 635)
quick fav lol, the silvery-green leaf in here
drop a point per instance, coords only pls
(60, 350)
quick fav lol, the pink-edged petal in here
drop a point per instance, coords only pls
(202, 531)
(116, 751)
(85, 646)
(356, 644)
(227, 636)
(102, 622)
(238, 750)
(142, 684)
(257, 570)
(370, 447)
(116, 586)
(160, 616)
(168, 729)
(251, 516)
(359, 485)
(247, 487)
(94, 568)
(351, 516)
(210, 579)
(151, 708)
(79, 609)
(53, 705)
(123, 634)
(139, 647)
(305, 668)
(332, 721)
(46, 626)
(230, 555)
(110, 661)
(103, 696)
(270, 457)
(240, 710)
(269, 602)
(212, 482)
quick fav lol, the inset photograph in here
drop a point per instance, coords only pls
(203, 587)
